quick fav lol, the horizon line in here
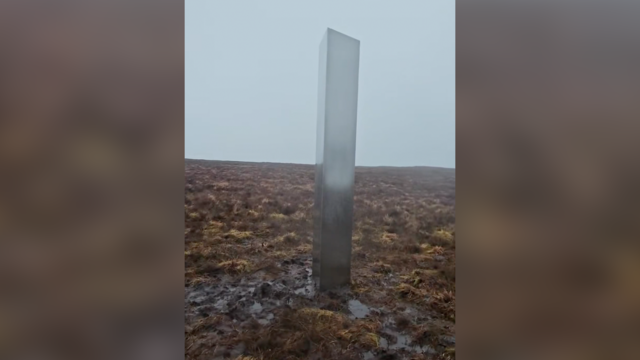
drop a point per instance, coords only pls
(290, 163)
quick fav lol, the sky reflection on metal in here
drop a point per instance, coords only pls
(335, 158)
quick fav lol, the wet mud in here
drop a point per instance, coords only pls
(242, 302)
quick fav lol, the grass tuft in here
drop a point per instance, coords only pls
(235, 266)
(238, 235)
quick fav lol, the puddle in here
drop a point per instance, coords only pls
(306, 290)
(358, 309)
(256, 308)
(404, 343)
(197, 297)
(448, 340)
(266, 320)
(221, 305)
(411, 312)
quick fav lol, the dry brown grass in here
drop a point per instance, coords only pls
(235, 266)
(297, 331)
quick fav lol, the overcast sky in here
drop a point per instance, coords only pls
(252, 79)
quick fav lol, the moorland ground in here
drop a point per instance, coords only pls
(248, 289)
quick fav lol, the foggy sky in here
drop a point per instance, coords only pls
(252, 79)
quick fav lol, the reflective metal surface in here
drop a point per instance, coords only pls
(335, 158)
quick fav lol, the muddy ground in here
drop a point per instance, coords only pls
(249, 292)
